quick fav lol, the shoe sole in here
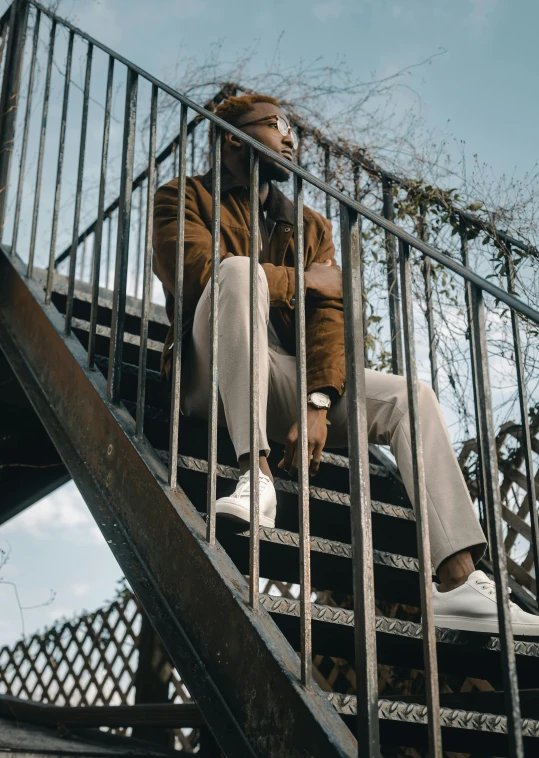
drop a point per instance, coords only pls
(235, 512)
(464, 624)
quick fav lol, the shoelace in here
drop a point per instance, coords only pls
(244, 483)
(489, 585)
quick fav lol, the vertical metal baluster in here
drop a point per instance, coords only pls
(327, 178)
(429, 312)
(302, 449)
(299, 151)
(26, 128)
(483, 514)
(214, 334)
(487, 444)
(9, 97)
(109, 249)
(78, 193)
(178, 306)
(147, 269)
(139, 240)
(360, 494)
(122, 240)
(397, 363)
(83, 258)
(43, 132)
(59, 169)
(357, 197)
(254, 555)
(420, 508)
(96, 263)
(526, 441)
(193, 146)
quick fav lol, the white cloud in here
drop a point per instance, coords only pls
(80, 589)
(62, 515)
(328, 10)
(480, 11)
(59, 612)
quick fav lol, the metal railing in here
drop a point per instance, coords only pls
(351, 212)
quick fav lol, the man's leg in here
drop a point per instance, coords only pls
(465, 598)
(233, 358)
(455, 533)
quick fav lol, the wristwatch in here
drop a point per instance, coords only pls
(319, 400)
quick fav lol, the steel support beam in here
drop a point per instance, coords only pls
(241, 671)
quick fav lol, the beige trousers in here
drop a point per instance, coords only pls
(453, 525)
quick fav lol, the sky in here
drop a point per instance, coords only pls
(481, 89)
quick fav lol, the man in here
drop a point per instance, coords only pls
(464, 598)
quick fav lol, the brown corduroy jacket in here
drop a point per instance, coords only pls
(324, 318)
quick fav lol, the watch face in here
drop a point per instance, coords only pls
(320, 400)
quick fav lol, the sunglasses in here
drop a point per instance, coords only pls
(282, 125)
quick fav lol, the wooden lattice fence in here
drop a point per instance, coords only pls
(89, 660)
(514, 494)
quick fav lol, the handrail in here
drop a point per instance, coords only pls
(353, 373)
(466, 273)
(359, 155)
(139, 180)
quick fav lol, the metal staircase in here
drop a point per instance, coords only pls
(87, 358)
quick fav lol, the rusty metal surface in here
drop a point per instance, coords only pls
(449, 717)
(398, 627)
(283, 485)
(155, 545)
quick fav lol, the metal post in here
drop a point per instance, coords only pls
(147, 269)
(178, 308)
(526, 441)
(78, 195)
(429, 312)
(41, 151)
(397, 362)
(26, 128)
(96, 263)
(59, 169)
(489, 457)
(303, 447)
(327, 177)
(420, 507)
(109, 249)
(9, 97)
(254, 556)
(214, 335)
(357, 196)
(122, 240)
(139, 240)
(483, 513)
(360, 495)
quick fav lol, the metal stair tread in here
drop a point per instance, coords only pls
(282, 485)
(83, 292)
(385, 625)
(395, 710)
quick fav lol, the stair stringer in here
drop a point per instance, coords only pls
(240, 669)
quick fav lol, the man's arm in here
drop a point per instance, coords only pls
(198, 243)
(324, 330)
(324, 324)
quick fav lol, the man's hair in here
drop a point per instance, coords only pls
(232, 108)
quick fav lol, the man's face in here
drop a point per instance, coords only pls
(268, 134)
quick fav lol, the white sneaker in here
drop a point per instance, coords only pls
(238, 505)
(472, 607)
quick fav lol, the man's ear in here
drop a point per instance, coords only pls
(232, 140)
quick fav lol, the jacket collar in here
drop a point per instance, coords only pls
(277, 205)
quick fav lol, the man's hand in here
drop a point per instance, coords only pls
(324, 280)
(317, 433)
